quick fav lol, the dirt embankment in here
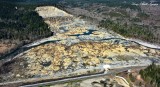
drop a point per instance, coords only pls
(7, 46)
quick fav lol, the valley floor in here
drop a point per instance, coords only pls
(77, 48)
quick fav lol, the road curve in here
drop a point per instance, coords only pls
(146, 44)
(111, 72)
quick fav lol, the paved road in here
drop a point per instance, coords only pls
(82, 77)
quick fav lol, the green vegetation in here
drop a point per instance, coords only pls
(143, 15)
(124, 58)
(74, 83)
(119, 13)
(132, 78)
(132, 30)
(136, 20)
(32, 1)
(21, 23)
(111, 3)
(152, 75)
(123, 12)
(115, 14)
(127, 5)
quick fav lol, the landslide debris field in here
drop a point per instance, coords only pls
(80, 48)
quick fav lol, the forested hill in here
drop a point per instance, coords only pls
(107, 2)
(33, 1)
(20, 23)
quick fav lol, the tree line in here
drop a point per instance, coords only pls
(20, 25)
(129, 30)
(21, 22)
(152, 74)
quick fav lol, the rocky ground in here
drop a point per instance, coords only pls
(56, 59)
(81, 48)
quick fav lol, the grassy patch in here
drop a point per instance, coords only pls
(136, 20)
(124, 58)
(115, 14)
(143, 15)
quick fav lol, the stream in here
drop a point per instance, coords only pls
(90, 31)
